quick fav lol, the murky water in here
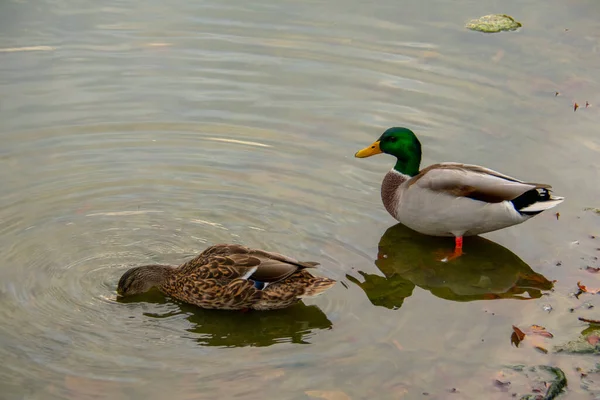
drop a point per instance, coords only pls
(143, 132)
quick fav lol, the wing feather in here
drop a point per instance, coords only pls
(473, 181)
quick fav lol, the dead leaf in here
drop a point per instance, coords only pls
(586, 290)
(593, 339)
(517, 336)
(575, 107)
(556, 94)
(593, 270)
(557, 215)
(540, 330)
(587, 104)
(590, 321)
(531, 334)
(328, 394)
(520, 333)
(501, 385)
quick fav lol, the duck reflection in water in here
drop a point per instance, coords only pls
(407, 259)
(222, 328)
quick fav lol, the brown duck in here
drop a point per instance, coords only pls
(230, 277)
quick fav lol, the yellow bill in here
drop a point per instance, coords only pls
(369, 151)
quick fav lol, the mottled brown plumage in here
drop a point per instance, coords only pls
(232, 277)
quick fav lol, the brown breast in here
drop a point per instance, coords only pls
(389, 187)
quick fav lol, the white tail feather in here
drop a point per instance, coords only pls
(543, 205)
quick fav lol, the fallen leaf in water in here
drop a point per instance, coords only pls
(587, 104)
(501, 385)
(556, 94)
(540, 330)
(586, 290)
(520, 333)
(531, 333)
(593, 270)
(328, 394)
(593, 339)
(517, 336)
(557, 215)
(575, 107)
(590, 321)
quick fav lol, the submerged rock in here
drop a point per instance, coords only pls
(493, 23)
(542, 378)
(587, 343)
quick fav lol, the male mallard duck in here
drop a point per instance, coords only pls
(452, 199)
(230, 277)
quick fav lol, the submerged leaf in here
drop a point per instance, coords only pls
(503, 386)
(584, 288)
(517, 336)
(520, 333)
(540, 330)
(593, 339)
(590, 321)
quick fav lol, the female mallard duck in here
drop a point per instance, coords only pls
(452, 199)
(230, 277)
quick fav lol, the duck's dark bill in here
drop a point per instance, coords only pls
(369, 151)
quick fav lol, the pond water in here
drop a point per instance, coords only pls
(142, 132)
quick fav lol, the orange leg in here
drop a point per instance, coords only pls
(458, 245)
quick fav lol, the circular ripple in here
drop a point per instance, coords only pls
(145, 140)
(103, 198)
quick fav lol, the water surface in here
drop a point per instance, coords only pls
(140, 133)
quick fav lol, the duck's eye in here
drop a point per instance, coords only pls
(392, 139)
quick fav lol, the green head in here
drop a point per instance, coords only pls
(401, 143)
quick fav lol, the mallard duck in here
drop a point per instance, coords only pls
(452, 199)
(230, 277)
